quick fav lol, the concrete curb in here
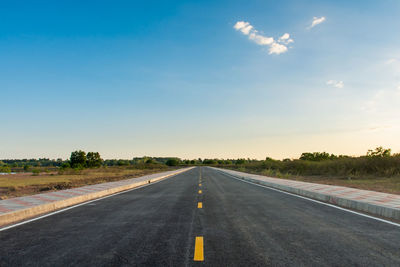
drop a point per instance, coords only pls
(35, 210)
(391, 210)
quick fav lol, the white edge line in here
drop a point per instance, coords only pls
(84, 203)
(313, 200)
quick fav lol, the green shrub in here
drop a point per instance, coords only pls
(5, 169)
(172, 162)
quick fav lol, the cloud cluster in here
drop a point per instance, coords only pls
(275, 46)
(336, 84)
(316, 21)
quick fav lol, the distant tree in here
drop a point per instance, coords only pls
(172, 162)
(379, 152)
(240, 161)
(316, 156)
(93, 159)
(26, 167)
(78, 159)
(210, 161)
(269, 159)
(150, 161)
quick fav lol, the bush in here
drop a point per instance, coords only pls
(172, 162)
(65, 165)
(5, 169)
(379, 152)
(122, 162)
(210, 161)
(35, 172)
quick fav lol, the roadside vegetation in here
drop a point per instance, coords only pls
(378, 170)
(30, 176)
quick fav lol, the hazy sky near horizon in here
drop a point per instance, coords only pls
(216, 79)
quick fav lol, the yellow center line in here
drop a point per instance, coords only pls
(198, 249)
(200, 205)
(200, 191)
(199, 184)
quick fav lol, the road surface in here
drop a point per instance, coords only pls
(223, 222)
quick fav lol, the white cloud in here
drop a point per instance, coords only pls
(244, 27)
(261, 40)
(336, 84)
(285, 38)
(317, 21)
(275, 47)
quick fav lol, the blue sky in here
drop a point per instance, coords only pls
(183, 78)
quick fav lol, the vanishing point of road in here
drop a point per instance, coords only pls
(202, 217)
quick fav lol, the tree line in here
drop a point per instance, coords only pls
(79, 159)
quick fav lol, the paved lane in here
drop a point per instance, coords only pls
(252, 225)
(237, 224)
(148, 226)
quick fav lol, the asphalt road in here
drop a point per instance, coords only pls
(241, 225)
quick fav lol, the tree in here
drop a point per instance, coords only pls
(240, 161)
(172, 162)
(379, 152)
(209, 161)
(150, 161)
(93, 159)
(317, 156)
(78, 159)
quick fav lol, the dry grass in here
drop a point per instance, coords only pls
(386, 185)
(382, 184)
(26, 184)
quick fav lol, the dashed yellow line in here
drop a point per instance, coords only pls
(200, 205)
(199, 184)
(199, 249)
(200, 191)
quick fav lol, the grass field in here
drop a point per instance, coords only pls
(20, 184)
